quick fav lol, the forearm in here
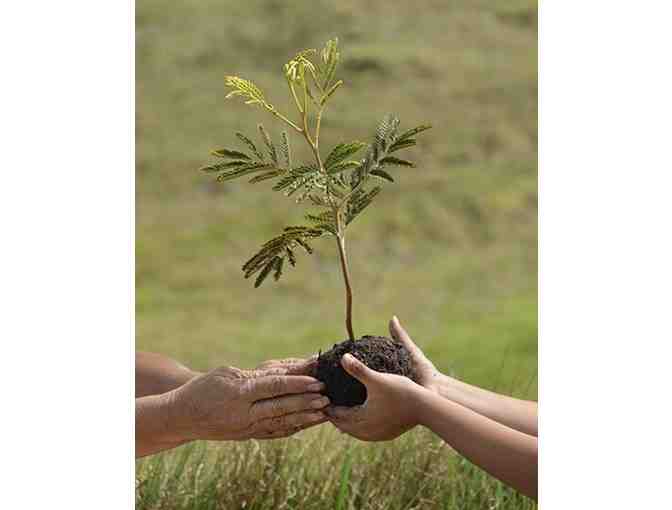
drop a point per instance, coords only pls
(154, 430)
(520, 415)
(505, 453)
(156, 374)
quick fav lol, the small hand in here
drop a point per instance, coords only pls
(389, 410)
(232, 404)
(426, 373)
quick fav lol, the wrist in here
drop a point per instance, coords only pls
(420, 399)
(177, 426)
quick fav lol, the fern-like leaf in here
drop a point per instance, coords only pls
(242, 171)
(230, 153)
(342, 151)
(267, 175)
(246, 89)
(342, 167)
(250, 145)
(220, 167)
(391, 160)
(412, 132)
(272, 254)
(382, 174)
(272, 152)
(409, 142)
(285, 150)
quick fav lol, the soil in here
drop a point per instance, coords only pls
(376, 352)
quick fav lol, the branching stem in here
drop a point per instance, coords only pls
(336, 208)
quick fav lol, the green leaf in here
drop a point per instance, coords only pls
(382, 174)
(230, 153)
(291, 256)
(277, 266)
(250, 145)
(246, 89)
(386, 131)
(342, 166)
(409, 142)
(219, 167)
(391, 160)
(295, 177)
(264, 273)
(412, 132)
(342, 151)
(266, 176)
(269, 144)
(243, 170)
(285, 150)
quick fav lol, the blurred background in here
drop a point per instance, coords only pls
(451, 247)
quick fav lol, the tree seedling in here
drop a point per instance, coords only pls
(337, 188)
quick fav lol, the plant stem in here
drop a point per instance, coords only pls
(348, 289)
(336, 209)
(286, 120)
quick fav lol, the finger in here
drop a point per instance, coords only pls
(280, 406)
(289, 422)
(279, 434)
(274, 363)
(291, 366)
(270, 386)
(400, 334)
(358, 370)
(340, 414)
(305, 367)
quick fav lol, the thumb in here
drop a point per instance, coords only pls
(399, 334)
(358, 370)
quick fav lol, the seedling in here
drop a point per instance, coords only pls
(338, 188)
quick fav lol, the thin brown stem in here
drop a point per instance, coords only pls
(348, 288)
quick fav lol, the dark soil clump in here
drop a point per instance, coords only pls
(376, 352)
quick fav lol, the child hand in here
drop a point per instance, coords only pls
(390, 408)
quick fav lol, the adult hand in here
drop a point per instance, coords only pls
(390, 407)
(292, 366)
(426, 373)
(232, 404)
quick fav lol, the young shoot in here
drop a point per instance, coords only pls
(338, 187)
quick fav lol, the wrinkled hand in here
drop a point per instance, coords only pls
(232, 404)
(389, 410)
(292, 366)
(426, 373)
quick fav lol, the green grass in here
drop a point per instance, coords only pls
(451, 247)
(318, 470)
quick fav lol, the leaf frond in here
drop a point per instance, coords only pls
(247, 90)
(230, 153)
(391, 160)
(250, 145)
(342, 151)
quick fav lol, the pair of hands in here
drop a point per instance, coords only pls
(391, 404)
(280, 398)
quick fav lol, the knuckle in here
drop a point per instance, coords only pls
(277, 384)
(277, 423)
(277, 406)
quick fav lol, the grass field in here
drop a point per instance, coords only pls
(451, 247)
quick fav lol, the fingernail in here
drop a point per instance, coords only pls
(395, 319)
(316, 387)
(319, 403)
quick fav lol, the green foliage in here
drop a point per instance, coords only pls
(272, 254)
(338, 183)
